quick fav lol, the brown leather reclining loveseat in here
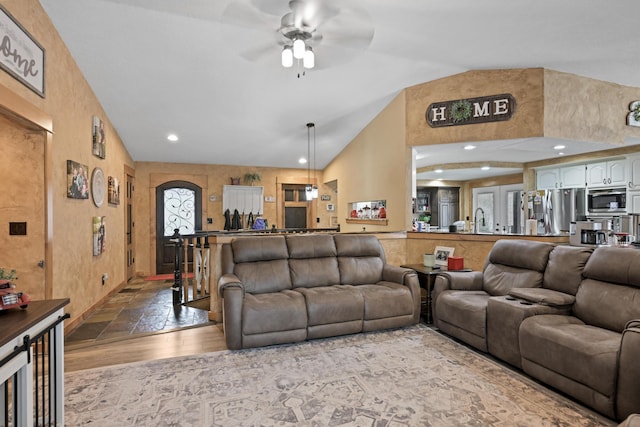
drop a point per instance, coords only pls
(282, 289)
(565, 315)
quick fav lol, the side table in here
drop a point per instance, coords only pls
(427, 278)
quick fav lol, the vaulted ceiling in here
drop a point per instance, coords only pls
(209, 70)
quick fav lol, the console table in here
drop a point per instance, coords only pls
(32, 364)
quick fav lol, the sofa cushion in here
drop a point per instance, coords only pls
(523, 254)
(304, 246)
(351, 245)
(264, 276)
(273, 312)
(263, 248)
(607, 305)
(566, 346)
(543, 296)
(360, 270)
(332, 304)
(310, 272)
(565, 267)
(386, 299)
(615, 265)
(500, 279)
(465, 309)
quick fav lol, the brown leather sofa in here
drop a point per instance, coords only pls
(571, 324)
(283, 289)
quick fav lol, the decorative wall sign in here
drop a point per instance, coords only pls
(325, 197)
(98, 186)
(114, 191)
(471, 111)
(633, 118)
(77, 180)
(20, 55)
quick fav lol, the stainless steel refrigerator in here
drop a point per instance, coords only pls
(555, 209)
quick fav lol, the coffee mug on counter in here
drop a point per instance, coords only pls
(429, 260)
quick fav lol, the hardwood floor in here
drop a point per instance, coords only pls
(183, 342)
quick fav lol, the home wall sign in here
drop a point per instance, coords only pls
(20, 55)
(469, 111)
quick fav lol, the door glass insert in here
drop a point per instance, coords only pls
(179, 211)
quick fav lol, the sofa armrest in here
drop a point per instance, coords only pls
(543, 296)
(463, 281)
(407, 277)
(232, 316)
(229, 281)
(392, 273)
(628, 388)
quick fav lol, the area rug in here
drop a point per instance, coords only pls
(405, 377)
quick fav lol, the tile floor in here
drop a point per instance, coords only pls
(140, 308)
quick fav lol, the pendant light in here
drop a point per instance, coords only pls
(311, 190)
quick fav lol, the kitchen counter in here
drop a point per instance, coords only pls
(473, 247)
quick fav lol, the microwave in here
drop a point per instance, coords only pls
(607, 201)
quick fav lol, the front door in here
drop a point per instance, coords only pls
(22, 209)
(178, 206)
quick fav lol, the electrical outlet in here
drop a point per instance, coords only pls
(105, 276)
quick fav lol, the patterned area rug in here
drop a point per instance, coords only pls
(405, 377)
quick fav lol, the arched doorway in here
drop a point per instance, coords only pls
(178, 205)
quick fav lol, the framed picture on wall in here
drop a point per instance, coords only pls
(99, 234)
(77, 180)
(114, 191)
(442, 254)
(99, 139)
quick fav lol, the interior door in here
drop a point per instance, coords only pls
(23, 205)
(178, 206)
(129, 224)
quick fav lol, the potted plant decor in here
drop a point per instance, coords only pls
(251, 177)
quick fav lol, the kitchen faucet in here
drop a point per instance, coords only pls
(475, 219)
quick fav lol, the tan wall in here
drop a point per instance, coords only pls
(211, 178)
(376, 165)
(22, 177)
(69, 100)
(584, 109)
(526, 86)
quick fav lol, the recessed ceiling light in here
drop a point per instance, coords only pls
(172, 137)
(302, 160)
(559, 147)
(561, 154)
(469, 147)
(438, 171)
(485, 168)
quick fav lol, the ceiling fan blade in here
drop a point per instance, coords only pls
(259, 53)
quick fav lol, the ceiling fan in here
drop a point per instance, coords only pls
(336, 31)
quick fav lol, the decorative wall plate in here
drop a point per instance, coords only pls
(98, 186)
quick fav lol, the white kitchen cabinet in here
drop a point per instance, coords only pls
(607, 174)
(547, 178)
(634, 173)
(564, 177)
(633, 202)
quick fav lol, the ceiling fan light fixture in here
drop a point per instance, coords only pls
(298, 48)
(287, 57)
(309, 59)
